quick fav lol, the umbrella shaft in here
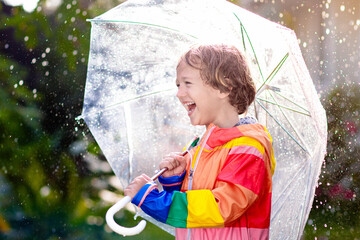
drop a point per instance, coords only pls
(158, 174)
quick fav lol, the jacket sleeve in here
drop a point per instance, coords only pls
(237, 188)
(173, 183)
(189, 209)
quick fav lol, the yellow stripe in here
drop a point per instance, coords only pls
(194, 158)
(203, 210)
(247, 141)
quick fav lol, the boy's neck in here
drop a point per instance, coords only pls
(229, 120)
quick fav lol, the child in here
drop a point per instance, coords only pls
(221, 189)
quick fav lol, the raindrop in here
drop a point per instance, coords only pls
(21, 82)
(43, 55)
(342, 8)
(68, 6)
(26, 38)
(75, 52)
(45, 191)
(45, 63)
(11, 67)
(6, 46)
(15, 85)
(33, 60)
(72, 19)
(47, 50)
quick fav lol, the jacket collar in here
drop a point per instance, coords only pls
(247, 126)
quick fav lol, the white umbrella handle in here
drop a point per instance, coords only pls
(119, 205)
(116, 227)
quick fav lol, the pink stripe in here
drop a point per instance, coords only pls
(246, 149)
(153, 186)
(208, 148)
(227, 233)
(173, 184)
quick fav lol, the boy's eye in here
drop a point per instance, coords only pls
(187, 83)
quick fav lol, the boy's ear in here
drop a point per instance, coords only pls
(223, 94)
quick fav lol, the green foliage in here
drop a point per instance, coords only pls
(46, 190)
(336, 206)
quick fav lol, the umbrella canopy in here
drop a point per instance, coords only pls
(133, 114)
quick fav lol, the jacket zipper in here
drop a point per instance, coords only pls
(192, 170)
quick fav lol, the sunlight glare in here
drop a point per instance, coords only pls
(28, 5)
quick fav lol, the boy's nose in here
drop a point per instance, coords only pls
(180, 92)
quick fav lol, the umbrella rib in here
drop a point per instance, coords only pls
(141, 23)
(287, 119)
(306, 195)
(293, 103)
(274, 72)
(282, 106)
(128, 122)
(252, 47)
(242, 35)
(287, 132)
(289, 183)
(122, 102)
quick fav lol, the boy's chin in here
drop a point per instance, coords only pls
(198, 124)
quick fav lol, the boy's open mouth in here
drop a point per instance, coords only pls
(190, 107)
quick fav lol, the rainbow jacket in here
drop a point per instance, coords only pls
(225, 192)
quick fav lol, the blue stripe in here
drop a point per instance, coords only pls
(156, 204)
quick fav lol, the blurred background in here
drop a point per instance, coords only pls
(54, 181)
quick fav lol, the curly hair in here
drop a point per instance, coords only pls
(224, 68)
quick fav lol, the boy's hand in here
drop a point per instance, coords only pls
(135, 186)
(175, 163)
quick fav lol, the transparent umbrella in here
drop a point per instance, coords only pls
(131, 109)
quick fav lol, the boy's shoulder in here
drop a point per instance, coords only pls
(246, 127)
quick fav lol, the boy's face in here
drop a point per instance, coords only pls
(202, 102)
